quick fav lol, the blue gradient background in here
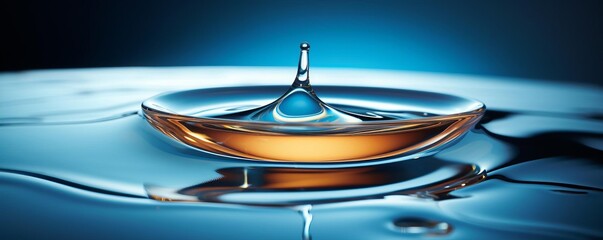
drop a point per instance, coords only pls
(552, 40)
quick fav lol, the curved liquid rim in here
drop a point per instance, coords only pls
(479, 110)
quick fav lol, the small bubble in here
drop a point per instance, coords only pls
(418, 226)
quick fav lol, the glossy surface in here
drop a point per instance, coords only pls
(79, 162)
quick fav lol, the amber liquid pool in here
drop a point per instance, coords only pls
(356, 146)
(80, 161)
(435, 120)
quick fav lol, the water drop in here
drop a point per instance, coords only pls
(300, 103)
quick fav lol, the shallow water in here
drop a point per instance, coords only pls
(78, 161)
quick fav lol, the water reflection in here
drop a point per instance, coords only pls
(426, 178)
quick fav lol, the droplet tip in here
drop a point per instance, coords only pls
(304, 46)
